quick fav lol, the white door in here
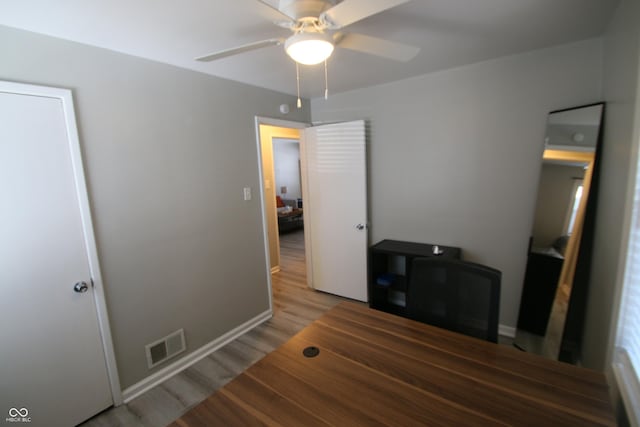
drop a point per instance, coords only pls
(336, 208)
(52, 363)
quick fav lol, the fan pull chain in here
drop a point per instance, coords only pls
(298, 84)
(326, 81)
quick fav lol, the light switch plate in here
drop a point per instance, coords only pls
(247, 193)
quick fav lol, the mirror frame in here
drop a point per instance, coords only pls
(570, 346)
(563, 336)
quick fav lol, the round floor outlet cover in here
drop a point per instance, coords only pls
(311, 351)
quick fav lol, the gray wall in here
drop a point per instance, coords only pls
(621, 67)
(167, 153)
(286, 163)
(454, 156)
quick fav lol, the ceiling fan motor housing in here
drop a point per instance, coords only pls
(299, 9)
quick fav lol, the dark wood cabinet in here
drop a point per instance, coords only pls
(390, 271)
(539, 291)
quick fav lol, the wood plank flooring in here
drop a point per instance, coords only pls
(295, 306)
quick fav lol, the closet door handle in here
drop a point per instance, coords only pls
(81, 287)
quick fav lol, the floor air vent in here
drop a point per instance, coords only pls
(165, 348)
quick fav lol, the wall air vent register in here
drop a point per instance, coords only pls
(165, 348)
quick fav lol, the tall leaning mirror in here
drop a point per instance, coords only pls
(558, 256)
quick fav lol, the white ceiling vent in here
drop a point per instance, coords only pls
(165, 348)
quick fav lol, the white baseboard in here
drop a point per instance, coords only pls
(507, 331)
(153, 380)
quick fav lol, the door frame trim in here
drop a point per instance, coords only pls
(269, 121)
(66, 99)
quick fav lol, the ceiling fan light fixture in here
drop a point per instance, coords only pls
(309, 48)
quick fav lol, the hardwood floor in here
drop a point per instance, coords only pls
(295, 306)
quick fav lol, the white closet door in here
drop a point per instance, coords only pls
(336, 208)
(53, 367)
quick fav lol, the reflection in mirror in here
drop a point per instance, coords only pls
(560, 242)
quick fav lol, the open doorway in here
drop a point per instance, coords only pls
(288, 184)
(290, 217)
(293, 299)
(333, 175)
(286, 251)
(278, 146)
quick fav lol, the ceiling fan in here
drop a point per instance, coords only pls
(315, 25)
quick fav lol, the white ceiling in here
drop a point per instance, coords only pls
(450, 33)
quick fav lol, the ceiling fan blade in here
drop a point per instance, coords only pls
(288, 24)
(350, 11)
(268, 4)
(375, 46)
(240, 49)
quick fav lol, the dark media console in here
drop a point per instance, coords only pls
(390, 271)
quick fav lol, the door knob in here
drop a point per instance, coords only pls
(360, 226)
(81, 287)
